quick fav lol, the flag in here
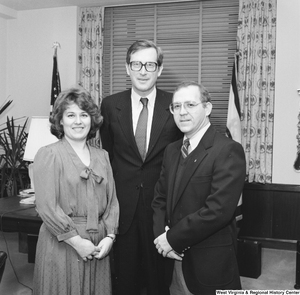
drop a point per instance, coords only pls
(55, 89)
(297, 161)
(233, 126)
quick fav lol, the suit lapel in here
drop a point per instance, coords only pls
(160, 116)
(175, 157)
(125, 119)
(194, 161)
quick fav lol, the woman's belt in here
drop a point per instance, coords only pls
(81, 219)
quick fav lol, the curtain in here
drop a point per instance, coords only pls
(90, 50)
(256, 84)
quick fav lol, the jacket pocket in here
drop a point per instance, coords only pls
(212, 262)
(201, 179)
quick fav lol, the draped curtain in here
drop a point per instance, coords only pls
(256, 84)
(90, 49)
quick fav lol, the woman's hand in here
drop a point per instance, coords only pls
(85, 248)
(104, 246)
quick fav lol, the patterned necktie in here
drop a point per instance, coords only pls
(141, 129)
(184, 148)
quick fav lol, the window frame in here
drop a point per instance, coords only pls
(198, 39)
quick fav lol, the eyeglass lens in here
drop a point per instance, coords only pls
(149, 66)
(188, 105)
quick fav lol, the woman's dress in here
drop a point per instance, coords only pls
(72, 199)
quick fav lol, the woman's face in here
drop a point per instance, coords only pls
(76, 123)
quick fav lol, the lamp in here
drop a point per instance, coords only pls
(39, 135)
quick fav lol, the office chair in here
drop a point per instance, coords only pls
(3, 257)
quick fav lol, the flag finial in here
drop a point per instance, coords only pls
(55, 46)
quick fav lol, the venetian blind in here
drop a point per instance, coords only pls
(198, 39)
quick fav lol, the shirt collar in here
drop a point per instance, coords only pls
(195, 139)
(136, 98)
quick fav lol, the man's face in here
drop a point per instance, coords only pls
(143, 82)
(190, 121)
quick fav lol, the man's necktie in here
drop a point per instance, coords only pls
(184, 148)
(141, 129)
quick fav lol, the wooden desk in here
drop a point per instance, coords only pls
(21, 218)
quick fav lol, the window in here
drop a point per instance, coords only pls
(198, 39)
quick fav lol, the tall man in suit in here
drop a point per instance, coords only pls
(136, 129)
(195, 200)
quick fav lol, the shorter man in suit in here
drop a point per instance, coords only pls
(195, 199)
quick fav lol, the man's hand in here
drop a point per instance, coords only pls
(164, 248)
(174, 255)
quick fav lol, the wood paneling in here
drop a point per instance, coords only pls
(271, 211)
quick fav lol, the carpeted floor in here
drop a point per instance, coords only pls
(278, 270)
(21, 268)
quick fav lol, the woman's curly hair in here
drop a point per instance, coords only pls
(84, 101)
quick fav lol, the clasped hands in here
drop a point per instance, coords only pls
(87, 250)
(164, 248)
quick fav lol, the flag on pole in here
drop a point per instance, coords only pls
(233, 126)
(297, 161)
(55, 89)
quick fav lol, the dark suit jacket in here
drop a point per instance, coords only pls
(201, 213)
(130, 172)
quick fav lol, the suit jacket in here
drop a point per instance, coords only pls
(130, 172)
(200, 213)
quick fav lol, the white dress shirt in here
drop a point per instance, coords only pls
(195, 139)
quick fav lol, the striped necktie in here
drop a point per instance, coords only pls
(185, 147)
(141, 129)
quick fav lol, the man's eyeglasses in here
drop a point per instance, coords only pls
(150, 66)
(189, 106)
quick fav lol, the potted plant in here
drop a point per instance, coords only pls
(14, 173)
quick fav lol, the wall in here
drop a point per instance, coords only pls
(3, 52)
(29, 58)
(26, 70)
(287, 101)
